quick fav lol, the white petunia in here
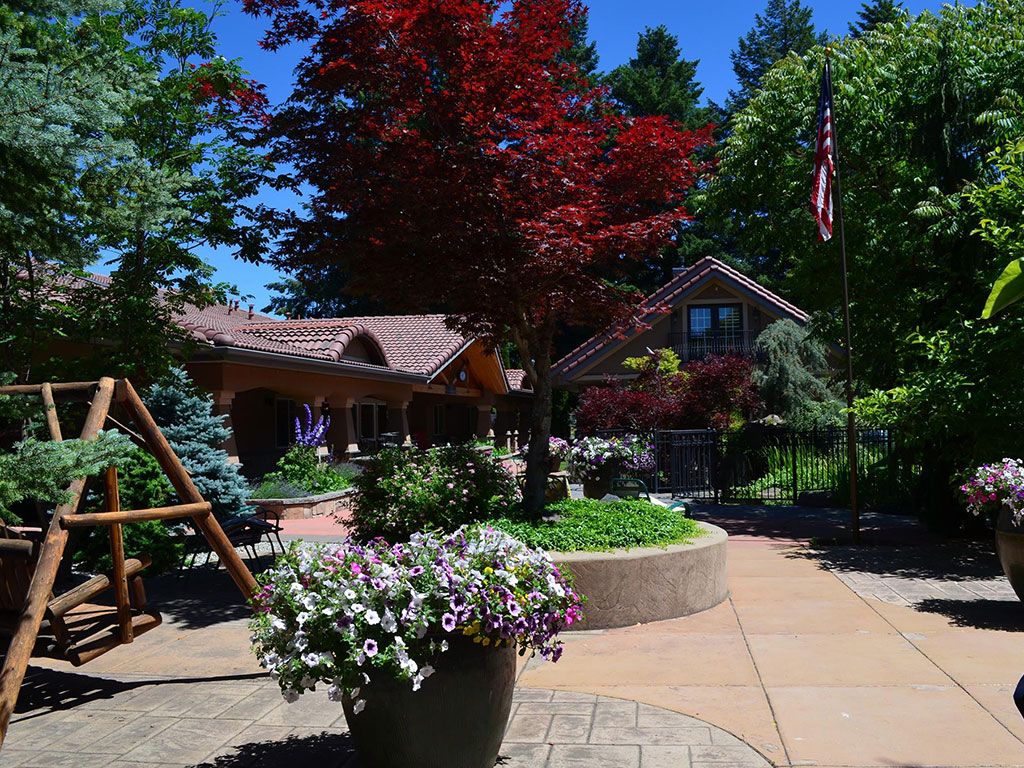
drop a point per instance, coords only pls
(372, 617)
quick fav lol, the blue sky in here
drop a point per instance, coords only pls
(707, 31)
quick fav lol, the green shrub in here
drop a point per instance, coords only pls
(404, 490)
(151, 537)
(142, 483)
(274, 488)
(590, 524)
(301, 468)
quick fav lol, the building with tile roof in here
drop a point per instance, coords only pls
(393, 377)
(705, 309)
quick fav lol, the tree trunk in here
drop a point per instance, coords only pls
(537, 461)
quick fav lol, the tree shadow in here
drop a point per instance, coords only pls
(1002, 615)
(198, 597)
(789, 523)
(45, 690)
(949, 561)
(324, 750)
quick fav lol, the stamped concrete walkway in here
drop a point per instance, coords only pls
(890, 655)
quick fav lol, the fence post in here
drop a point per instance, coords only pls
(793, 448)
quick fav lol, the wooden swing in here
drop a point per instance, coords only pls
(71, 626)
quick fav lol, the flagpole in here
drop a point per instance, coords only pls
(851, 427)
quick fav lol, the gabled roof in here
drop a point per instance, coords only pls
(408, 345)
(671, 295)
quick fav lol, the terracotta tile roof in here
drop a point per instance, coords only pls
(517, 379)
(420, 344)
(412, 344)
(671, 295)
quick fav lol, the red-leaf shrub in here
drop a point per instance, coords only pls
(712, 393)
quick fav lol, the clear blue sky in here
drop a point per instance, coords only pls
(707, 31)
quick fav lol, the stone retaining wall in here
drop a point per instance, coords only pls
(336, 502)
(636, 586)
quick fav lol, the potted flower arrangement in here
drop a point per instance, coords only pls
(997, 490)
(558, 449)
(596, 460)
(416, 640)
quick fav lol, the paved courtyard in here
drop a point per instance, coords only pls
(825, 655)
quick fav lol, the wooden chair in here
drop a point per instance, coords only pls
(74, 628)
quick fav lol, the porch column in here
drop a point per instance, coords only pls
(352, 448)
(222, 400)
(398, 420)
(484, 427)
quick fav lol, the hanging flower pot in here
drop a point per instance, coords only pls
(416, 640)
(997, 490)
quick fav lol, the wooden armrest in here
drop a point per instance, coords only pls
(23, 549)
(95, 586)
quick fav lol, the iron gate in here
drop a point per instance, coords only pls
(758, 464)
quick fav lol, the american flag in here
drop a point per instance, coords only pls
(824, 160)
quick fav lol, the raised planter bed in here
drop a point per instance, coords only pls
(307, 506)
(636, 586)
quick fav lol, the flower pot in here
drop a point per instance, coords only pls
(456, 720)
(1010, 546)
(555, 464)
(599, 484)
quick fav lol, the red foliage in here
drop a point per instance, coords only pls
(705, 394)
(716, 390)
(455, 162)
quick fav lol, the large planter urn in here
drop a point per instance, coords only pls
(1010, 546)
(456, 720)
(599, 484)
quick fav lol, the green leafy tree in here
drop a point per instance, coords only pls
(785, 27)
(918, 121)
(185, 416)
(877, 12)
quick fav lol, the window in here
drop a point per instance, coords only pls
(284, 420)
(726, 319)
(439, 412)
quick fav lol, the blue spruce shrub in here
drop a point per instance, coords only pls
(185, 416)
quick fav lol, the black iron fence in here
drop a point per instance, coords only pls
(758, 464)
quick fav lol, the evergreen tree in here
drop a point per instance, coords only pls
(876, 12)
(659, 81)
(583, 51)
(785, 26)
(185, 416)
(65, 84)
(792, 377)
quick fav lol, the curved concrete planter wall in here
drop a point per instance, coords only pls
(307, 506)
(635, 586)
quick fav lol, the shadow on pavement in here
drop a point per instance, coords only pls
(950, 561)
(197, 598)
(51, 690)
(1003, 615)
(324, 750)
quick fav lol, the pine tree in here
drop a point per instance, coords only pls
(582, 52)
(659, 81)
(785, 26)
(185, 416)
(874, 13)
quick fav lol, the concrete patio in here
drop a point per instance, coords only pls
(902, 653)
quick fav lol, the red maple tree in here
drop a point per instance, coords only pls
(458, 163)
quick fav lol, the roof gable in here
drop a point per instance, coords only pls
(675, 292)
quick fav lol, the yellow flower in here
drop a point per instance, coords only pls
(486, 641)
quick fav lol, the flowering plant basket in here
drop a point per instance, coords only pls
(592, 457)
(993, 488)
(558, 448)
(345, 614)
